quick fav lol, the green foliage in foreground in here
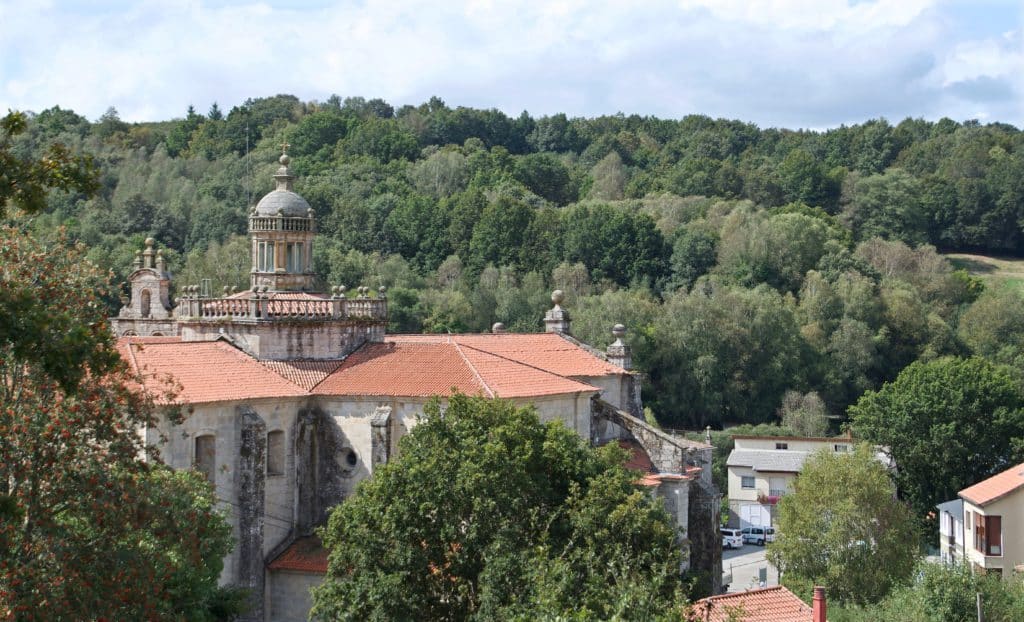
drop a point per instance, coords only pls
(88, 531)
(843, 527)
(489, 514)
(942, 594)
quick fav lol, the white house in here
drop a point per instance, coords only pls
(762, 469)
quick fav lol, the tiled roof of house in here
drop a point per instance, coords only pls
(306, 554)
(995, 487)
(768, 460)
(206, 371)
(550, 352)
(770, 604)
(306, 373)
(424, 368)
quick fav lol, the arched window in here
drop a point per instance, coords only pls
(144, 303)
(275, 453)
(205, 460)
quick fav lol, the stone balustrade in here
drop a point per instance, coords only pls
(262, 307)
(279, 223)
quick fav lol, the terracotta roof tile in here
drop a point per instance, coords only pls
(770, 604)
(306, 554)
(307, 373)
(425, 368)
(639, 460)
(995, 487)
(548, 351)
(207, 371)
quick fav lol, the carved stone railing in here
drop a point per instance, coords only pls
(280, 223)
(261, 307)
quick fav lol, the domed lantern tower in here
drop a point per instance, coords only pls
(282, 228)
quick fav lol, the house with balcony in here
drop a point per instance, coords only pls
(762, 469)
(993, 522)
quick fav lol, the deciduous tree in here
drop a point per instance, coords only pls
(843, 527)
(88, 530)
(947, 424)
(488, 514)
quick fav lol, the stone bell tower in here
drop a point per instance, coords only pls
(147, 311)
(282, 228)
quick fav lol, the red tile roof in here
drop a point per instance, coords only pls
(307, 374)
(770, 604)
(205, 371)
(639, 460)
(510, 366)
(424, 368)
(306, 554)
(995, 487)
(548, 351)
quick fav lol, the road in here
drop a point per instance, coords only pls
(745, 563)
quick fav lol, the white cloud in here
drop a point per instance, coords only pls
(781, 62)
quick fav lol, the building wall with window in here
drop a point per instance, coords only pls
(993, 519)
(951, 531)
(762, 469)
(993, 536)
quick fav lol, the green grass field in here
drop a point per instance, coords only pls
(995, 271)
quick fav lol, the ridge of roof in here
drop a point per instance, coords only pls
(511, 360)
(768, 604)
(996, 487)
(476, 372)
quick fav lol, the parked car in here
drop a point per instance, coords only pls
(758, 535)
(732, 538)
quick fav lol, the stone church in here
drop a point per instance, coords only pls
(291, 397)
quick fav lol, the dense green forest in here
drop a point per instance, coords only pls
(746, 262)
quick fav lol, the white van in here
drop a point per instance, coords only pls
(732, 538)
(759, 535)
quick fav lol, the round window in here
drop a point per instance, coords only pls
(347, 459)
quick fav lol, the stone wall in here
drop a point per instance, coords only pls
(250, 570)
(279, 340)
(670, 454)
(705, 534)
(290, 600)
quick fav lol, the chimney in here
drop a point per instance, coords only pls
(818, 605)
(498, 328)
(557, 319)
(619, 353)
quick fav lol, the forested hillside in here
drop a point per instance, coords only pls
(746, 262)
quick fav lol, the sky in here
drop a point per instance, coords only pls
(777, 63)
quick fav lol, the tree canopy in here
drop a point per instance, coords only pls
(839, 229)
(486, 513)
(947, 423)
(87, 529)
(843, 527)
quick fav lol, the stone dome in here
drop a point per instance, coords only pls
(287, 202)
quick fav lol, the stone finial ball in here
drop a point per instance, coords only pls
(150, 242)
(619, 331)
(557, 296)
(498, 328)
(382, 289)
(285, 160)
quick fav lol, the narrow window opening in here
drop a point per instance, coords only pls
(206, 456)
